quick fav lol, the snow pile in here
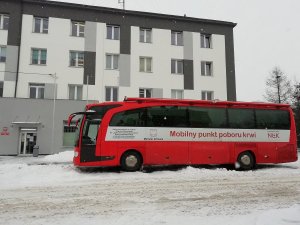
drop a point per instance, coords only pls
(50, 190)
(62, 157)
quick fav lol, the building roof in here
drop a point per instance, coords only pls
(130, 12)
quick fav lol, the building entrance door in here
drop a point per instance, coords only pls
(28, 138)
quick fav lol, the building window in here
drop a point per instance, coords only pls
(113, 32)
(177, 66)
(4, 21)
(145, 93)
(111, 94)
(77, 28)
(206, 68)
(145, 35)
(112, 61)
(36, 90)
(177, 94)
(69, 134)
(76, 59)
(38, 56)
(40, 25)
(207, 95)
(177, 38)
(75, 92)
(1, 88)
(205, 40)
(146, 64)
(2, 54)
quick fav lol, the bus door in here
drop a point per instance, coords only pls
(89, 138)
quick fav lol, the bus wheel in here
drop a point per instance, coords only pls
(245, 161)
(131, 161)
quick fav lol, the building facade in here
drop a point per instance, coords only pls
(54, 52)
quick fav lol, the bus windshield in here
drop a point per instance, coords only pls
(92, 119)
(92, 123)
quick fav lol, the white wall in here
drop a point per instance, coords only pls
(59, 42)
(3, 42)
(216, 82)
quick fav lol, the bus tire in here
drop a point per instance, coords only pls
(245, 161)
(131, 161)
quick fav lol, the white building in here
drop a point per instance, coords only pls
(84, 52)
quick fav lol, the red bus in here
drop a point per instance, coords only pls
(143, 132)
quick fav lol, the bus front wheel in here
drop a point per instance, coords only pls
(131, 161)
(245, 161)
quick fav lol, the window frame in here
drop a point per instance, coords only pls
(41, 29)
(113, 34)
(76, 87)
(38, 87)
(3, 25)
(206, 92)
(203, 41)
(39, 58)
(111, 96)
(77, 53)
(176, 66)
(4, 55)
(176, 40)
(144, 69)
(143, 35)
(113, 57)
(204, 70)
(175, 93)
(77, 25)
(144, 94)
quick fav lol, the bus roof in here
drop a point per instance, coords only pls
(193, 102)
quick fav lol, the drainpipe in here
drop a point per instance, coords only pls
(19, 50)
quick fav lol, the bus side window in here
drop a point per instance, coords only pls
(167, 116)
(272, 119)
(129, 118)
(241, 118)
(201, 117)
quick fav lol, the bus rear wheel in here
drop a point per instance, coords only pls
(131, 161)
(245, 161)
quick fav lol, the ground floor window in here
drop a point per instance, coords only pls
(75, 92)
(145, 93)
(177, 94)
(207, 95)
(69, 134)
(36, 90)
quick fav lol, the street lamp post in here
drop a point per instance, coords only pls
(53, 111)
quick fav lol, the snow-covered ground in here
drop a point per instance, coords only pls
(49, 190)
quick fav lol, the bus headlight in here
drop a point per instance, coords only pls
(76, 154)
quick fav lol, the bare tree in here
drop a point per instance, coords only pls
(279, 88)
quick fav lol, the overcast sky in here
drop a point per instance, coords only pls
(267, 34)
